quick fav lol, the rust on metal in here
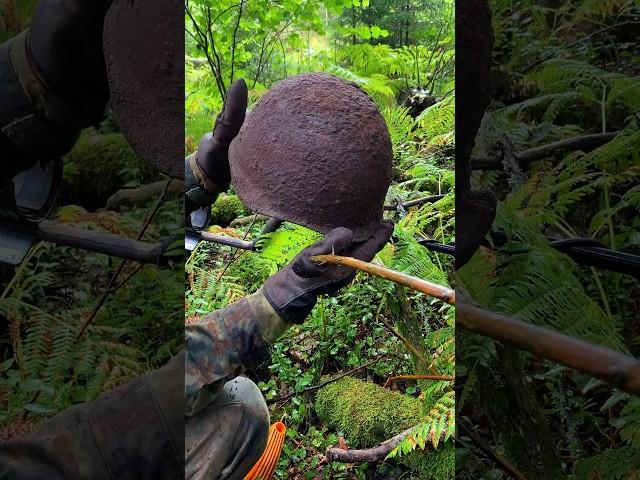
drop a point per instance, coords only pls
(314, 151)
(146, 78)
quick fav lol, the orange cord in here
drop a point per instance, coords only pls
(266, 464)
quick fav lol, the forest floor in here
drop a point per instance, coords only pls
(367, 332)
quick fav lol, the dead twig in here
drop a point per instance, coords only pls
(323, 383)
(498, 459)
(443, 293)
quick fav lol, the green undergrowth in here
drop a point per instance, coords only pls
(98, 166)
(44, 367)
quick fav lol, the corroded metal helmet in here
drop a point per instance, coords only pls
(146, 78)
(314, 151)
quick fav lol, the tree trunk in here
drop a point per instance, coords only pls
(353, 23)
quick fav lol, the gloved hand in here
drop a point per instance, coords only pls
(292, 292)
(213, 151)
(66, 46)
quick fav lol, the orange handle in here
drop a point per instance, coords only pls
(266, 464)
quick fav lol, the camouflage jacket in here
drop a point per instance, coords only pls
(224, 344)
(136, 431)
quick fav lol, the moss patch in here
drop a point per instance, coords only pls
(226, 209)
(369, 414)
(439, 464)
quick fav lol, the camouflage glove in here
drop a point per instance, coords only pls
(292, 292)
(207, 172)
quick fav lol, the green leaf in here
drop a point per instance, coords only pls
(38, 408)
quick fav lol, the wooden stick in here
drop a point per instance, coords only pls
(375, 454)
(443, 293)
(390, 380)
(618, 369)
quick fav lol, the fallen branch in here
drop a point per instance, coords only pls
(617, 369)
(443, 293)
(375, 454)
(448, 378)
(584, 142)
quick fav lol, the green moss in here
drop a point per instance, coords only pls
(366, 413)
(439, 464)
(100, 165)
(226, 209)
(369, 414)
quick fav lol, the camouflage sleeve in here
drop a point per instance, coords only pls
(134, 431)
(226, 343)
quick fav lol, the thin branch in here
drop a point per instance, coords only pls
(203, 40)
(110, 287)
(215, 52)
(404, 341)
(443, 293)
(620, 370)
(390, 380)
(325, 382)
(272, 44)
(233, 44)
(498, 459)
(129, 277)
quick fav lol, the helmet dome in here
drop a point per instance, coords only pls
(146, 78)
(314, 151)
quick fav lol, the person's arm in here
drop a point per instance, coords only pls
(225, 344)
(230, 341)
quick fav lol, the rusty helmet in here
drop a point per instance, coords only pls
(314, 151)
(146, 78)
